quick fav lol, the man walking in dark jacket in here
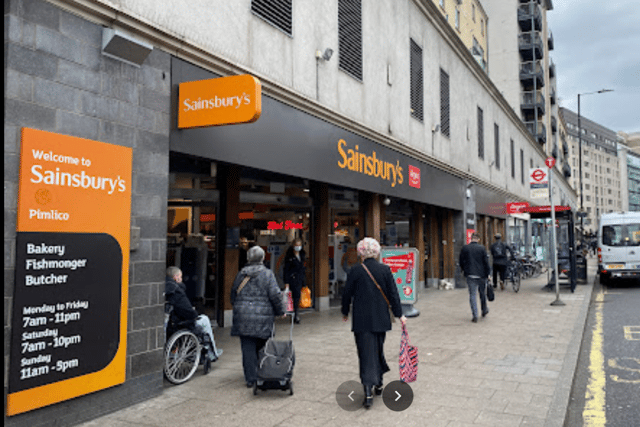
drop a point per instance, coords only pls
(474, 262)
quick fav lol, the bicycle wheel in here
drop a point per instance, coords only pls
(515, 281)
(537, 270)
(181, 357)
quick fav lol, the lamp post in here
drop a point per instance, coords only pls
(580, 158)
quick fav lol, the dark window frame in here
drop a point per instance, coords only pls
(350, 51)
(480, 117)
(496, 132)
(264, 9)
(445, 104)
(416, 83)
(513, 159)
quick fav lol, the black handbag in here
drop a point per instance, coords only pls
(490, 295)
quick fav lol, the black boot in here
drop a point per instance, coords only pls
(378, 389)
(368, 397)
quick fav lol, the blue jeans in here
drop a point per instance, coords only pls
(477, 285)
(203, 326)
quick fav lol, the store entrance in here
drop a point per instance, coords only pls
(275, 210)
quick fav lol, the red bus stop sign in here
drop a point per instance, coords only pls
(550, 162)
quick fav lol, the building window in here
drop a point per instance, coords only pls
(587, 186)
(442, 4)
(276, 12)
(480, 133)
(473, 12)
(496, 133)
(522, 166)
(457, 18)
(586, 175)
(444, 104)
(531, 163)
(587, 198)
(417, 107)
(513, 159)
(482, 27)
(350, 37)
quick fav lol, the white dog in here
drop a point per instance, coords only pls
(444, 285)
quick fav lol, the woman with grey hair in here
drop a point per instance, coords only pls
(371, 289)
(256, 300)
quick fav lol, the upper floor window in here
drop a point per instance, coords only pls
(473, 12)
(457, 18)
(276, 12)
(350, 37)
(496, 133)
(442, 4)
(480, 133)
(444, 103)
(482, 27)
(417, 101)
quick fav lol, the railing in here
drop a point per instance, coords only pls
(538, 130)
(532, 98)
(550, 41)
(531, 67)
(554, 124)
(552, 69)
(529, 11)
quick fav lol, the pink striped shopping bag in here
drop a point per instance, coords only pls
(408, 358)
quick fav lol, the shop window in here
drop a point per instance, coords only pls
(417, 100)
(350, 37)
(276, 12)
(444, 103)
(480, 133)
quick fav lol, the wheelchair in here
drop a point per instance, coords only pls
(184, 349)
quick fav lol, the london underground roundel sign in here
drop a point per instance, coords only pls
(550, 162)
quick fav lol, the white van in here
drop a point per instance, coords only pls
(619, 246)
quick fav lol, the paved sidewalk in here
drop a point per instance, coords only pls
(512, 368)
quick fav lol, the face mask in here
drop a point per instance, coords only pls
(297, 248)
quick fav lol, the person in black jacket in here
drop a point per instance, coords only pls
(183, 311)
(500, 260)
(474, 263)
(294, 273)
(255, 306)
(370, 319)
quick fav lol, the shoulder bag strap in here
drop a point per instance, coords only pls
(378, 286)
(244, 282)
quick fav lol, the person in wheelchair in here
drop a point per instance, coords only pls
(183, 312)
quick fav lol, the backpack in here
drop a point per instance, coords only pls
(498, 250)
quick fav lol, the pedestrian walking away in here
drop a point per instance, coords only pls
(294, 273)
(500, 260)
(183, 311)
(474, 262)
(256, 300)
(372, 292)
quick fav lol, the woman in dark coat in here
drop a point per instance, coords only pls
(294, 273)
(254, 309)
(370, 319)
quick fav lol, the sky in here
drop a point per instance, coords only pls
(597, 46)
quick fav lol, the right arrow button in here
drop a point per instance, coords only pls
(397, 396)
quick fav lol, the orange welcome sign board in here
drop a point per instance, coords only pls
(70, 302)
(221, 101)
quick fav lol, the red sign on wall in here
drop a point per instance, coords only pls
(516, 207)
(414, 177)
(470, 231)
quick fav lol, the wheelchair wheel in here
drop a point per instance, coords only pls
(181, 357)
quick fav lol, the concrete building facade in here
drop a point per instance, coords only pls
(404, 91)
(629, 157)
(520, 43)
(601, 167)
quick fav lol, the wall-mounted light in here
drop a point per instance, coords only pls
(386, 201)
(324, 56)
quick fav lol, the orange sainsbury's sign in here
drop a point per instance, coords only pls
(220, 101)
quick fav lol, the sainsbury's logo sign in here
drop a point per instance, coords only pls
(414, 177)
(215, 102)
(220, 101)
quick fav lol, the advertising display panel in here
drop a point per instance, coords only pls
(68, 325)
(403, 264)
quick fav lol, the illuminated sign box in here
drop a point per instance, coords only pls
(220, 101)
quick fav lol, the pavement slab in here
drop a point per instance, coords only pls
(512, 368)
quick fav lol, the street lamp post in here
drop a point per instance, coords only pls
(580, 159)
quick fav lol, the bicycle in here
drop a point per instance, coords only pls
(514, 274)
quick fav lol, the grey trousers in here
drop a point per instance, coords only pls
(477, 285)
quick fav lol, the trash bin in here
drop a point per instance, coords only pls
(581, 268)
